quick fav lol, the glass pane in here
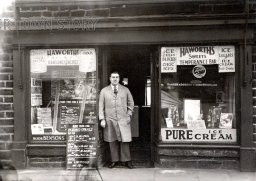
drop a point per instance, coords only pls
(63, 89)
(198, 94)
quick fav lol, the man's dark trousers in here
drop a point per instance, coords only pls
(124, 152)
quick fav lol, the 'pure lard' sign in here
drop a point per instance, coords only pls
(198, 135)
(224, 56)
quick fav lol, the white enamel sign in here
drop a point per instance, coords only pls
(224, 56)
(42, 58)
(198, 135)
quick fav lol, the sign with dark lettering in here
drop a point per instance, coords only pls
(81, 146)
(223, 56)
(41, 59)
(198, 135)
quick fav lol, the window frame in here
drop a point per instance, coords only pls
(237, 87)
(28, 95)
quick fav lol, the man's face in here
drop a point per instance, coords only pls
(114, 78)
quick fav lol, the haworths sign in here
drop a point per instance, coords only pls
(85, 58)
(224, 56)
(198, 135)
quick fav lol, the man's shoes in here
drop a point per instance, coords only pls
(112, 165)
(129, 165)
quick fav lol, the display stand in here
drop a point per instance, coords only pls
(81, 146)
(82, 150)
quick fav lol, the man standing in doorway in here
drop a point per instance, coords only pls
(115, 111)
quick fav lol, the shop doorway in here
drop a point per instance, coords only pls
(133, 64)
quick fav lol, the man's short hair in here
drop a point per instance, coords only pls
(114, 72)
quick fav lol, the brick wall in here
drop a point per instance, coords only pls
(210, 158)
(61, 12)
(254, 91)
(6, 91)
(47, 161)
(65, 11)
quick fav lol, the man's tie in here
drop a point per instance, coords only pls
(115, 89)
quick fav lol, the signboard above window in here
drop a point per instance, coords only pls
(42, 59)
(224, 56)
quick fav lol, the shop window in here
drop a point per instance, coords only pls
(198, 94)
(63, 91)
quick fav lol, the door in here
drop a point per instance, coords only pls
(134, 66)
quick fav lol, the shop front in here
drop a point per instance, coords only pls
(198, 105)
(64, 92)
(190, 84)
(198, 94)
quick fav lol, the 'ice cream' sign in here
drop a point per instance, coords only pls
(224, 56)
(198, 135)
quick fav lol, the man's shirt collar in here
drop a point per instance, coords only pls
(114, 87)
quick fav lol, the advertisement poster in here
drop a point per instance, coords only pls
(198, 135)
(44, 116)
(223, 56)
(37, 129)
(36, 92)
(191, 109)
(226, 120)
(44, 58)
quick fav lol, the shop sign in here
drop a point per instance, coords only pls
(198, 135)
(42, 58)
(199, 71)
(47, 138)
(81, 146)
(224, 56)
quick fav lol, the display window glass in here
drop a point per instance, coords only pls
(63, 91)
(198, 94)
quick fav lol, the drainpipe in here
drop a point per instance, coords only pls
(19, 49)
(245, 62)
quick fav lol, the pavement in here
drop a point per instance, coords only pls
(124, 174)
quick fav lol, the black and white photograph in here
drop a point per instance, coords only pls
(128, 90)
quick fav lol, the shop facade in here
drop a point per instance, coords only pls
(191, 76)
